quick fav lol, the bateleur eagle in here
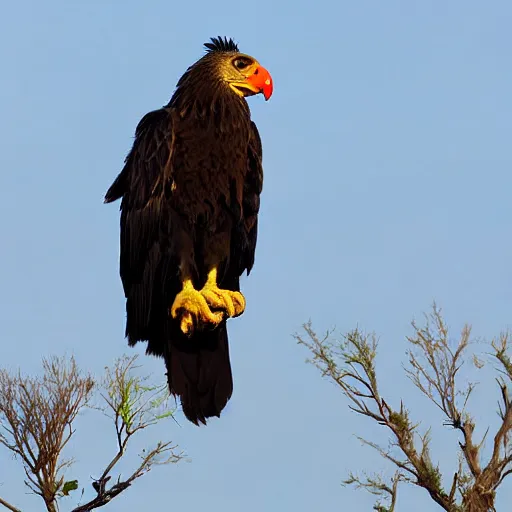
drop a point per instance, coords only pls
(190, 195)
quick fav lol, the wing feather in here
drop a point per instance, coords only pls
(143, 185)
(251, 198)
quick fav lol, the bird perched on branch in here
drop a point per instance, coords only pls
(190, 190)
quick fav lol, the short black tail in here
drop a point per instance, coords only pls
(199, 371)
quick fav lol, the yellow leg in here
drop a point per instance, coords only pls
(231, 303)
(191, 307)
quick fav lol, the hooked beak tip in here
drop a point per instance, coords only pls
(268, 88)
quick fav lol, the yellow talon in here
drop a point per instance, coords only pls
(206, 307)
(187, 323)
(191, 307)
(232, 303)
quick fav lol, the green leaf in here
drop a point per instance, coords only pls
(164, 415)
(71, 485)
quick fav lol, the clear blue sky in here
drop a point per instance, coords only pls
(387, 152)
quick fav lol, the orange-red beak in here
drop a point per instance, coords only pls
(262, 81)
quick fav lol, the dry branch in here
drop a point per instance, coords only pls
(133, 406)
(8, 506)
(434, 362)
(36, 423)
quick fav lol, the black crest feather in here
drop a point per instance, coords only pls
(218, 44)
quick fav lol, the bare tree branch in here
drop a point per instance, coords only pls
(433, 371)
(133, 406)
(375, 485)
(36, 423)
(7, 505)
(36, 417)
(104, 495)
(434, 364)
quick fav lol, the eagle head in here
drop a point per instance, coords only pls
(241, 72)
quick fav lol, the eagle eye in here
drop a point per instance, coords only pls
(241, 63)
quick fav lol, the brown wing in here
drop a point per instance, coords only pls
(251, 199)
(145, 260)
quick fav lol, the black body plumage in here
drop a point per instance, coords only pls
(190, 189)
